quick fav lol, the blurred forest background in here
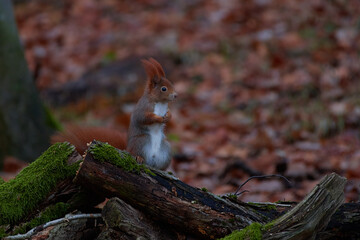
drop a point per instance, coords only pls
(265, 86)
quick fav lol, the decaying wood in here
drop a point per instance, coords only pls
(64, 189)
(205, 215)
(312, 214)
(344, 224)
(168, 199)
(133, 224)
(68, 192)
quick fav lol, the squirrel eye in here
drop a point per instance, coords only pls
(163, 89)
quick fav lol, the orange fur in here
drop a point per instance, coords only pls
(80, 136)
(146, 137)
(158, 67)
(153, 68)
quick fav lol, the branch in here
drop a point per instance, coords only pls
(52, 223)
(261, 176)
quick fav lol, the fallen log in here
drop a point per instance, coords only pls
(161, 195)
(130, 223)
(21, 197)
(193, 211)
(344, 223)
(159, 206)
(43, 191)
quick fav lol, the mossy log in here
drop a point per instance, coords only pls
(162, 196)
(164, 204)
(42, 191)
(22, 195)
(193, 211)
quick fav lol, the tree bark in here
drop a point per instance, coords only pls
(344, 224)
(312, 214)
(133, 224)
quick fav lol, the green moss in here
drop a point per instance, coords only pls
(1, 181)
(107, 153)
(50, 213)
(263, 206)
(269, 225)
(21, 195)
(204, 189)
(2, 232)
(232, 196)
(251, 232)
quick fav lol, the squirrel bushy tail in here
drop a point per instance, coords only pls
(81, 136)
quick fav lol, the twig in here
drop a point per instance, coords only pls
(270, 203)
(238, 163)
(52, 223)
(263, 176)
(243, 191)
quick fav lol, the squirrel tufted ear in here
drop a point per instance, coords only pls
(153, 69)
(158, 67)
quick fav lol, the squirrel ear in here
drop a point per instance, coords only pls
(152, 82)
(158, 67)
(152, 69)
(155, 79)
(149, 68)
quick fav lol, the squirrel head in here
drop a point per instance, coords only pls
(158, 87)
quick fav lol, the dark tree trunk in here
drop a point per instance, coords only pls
(24, 130)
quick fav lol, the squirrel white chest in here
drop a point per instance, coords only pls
(160, 109)
(154, 154)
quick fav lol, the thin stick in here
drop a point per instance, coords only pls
(52, 223)
(262, 176)
(270, 203)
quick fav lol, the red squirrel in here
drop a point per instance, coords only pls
(146, 139)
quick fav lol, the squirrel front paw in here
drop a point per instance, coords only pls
(167, 117)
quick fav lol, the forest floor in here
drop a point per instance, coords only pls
(265, 86)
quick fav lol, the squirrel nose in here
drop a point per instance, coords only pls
(175, 94)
